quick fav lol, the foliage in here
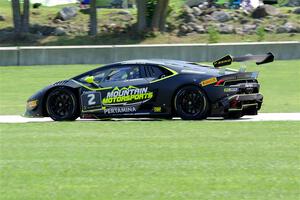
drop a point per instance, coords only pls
(282, 2)
(261, 33)
(104, 3)
(213, 34)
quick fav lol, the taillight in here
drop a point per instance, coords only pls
(234, 103)
(220, 82)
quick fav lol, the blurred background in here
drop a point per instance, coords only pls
(89, 22)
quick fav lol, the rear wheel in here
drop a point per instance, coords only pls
(62, 105)
(191, 103)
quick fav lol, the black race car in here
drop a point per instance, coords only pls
(153, 88)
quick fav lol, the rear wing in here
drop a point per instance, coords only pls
(259, 59)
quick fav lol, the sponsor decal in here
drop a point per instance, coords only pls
(231, 89)
(247, 85)
(127, 95)
(157, 109)
(91, 100)
(227, 60)
(208, 81)
(222, 62)
(116, 110)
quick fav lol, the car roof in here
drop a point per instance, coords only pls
(155, 61)
(177, 65)
(174, 64)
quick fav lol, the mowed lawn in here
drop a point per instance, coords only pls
(280, 84)
(150, 160)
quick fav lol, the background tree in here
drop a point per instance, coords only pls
(93, 18)
(152, 15)
(20, 19)
(25, 16)
(141, 15)
(160, 15)
(15, 4)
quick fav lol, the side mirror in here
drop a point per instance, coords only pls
(90, 80)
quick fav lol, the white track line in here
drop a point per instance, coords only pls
(259, 117)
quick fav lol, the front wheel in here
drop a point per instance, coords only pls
(62, 105)
(191, 103)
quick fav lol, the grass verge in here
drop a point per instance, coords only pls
(150, 160)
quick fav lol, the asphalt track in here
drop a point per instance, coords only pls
(259, 117)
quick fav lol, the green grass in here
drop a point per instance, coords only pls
(280, 84)
(18, 83)
(150, 160)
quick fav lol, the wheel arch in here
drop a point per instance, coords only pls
(173, 110)
(44, 99)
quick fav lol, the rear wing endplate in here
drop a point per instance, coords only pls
(259, 59)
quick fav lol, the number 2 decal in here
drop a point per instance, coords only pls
(91, 100)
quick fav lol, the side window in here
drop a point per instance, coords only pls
(123, 74)
(156, 72)
(98, 75)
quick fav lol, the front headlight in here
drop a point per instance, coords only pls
(32, 104)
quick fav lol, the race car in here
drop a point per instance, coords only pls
(154, 88)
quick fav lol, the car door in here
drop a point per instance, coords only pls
(128, 87)
(116, 86)
(92, 92)
(159, 82)
(128, 90)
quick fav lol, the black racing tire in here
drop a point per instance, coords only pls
(62, 105)
(191, 103)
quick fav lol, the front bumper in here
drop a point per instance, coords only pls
(245, 104)
(34, 106)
